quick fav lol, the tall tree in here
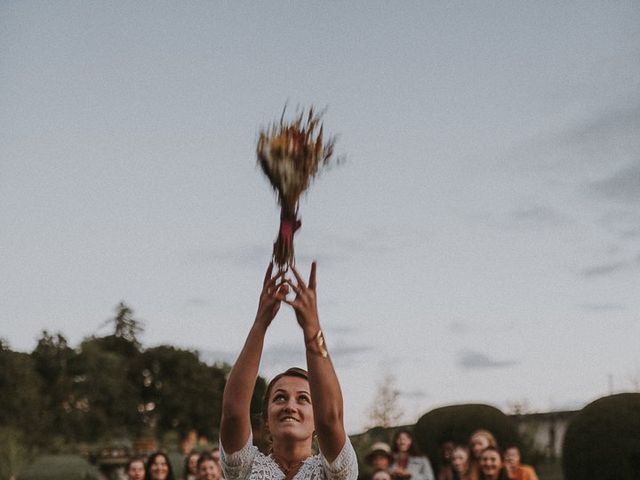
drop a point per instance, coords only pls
(180, 392)
(385, 410)
(20, 401)
(52, 358)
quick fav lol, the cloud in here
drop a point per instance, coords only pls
(287, 354)
(622, 186)
(416, 394)
(610, 268)
(606, 126)
(625, 224)
(471, 360)
(603, 269)
(539, 215)
(603, 307)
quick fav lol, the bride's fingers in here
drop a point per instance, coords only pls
(267, 275)
(312, 276)
(281, 292)
(298, 277)
(272, 282)
(294, 287)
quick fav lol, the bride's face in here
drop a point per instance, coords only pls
(290, 413)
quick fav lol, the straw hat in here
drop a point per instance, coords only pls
(379, 448)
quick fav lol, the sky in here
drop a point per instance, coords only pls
(480, 242)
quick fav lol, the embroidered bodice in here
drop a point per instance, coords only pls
(249, 463)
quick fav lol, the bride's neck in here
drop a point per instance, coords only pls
(290, 453)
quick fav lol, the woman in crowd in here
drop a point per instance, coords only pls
(208, 468)
(135, 469)
(408, 463)
(159, 467)
(297, 404)
(478, 442)
(491, 465)
(190, 471)
(379, 457)
(381, 474)
(445, 471)
(461, 465)
(515, 469)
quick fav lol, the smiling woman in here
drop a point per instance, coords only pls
(159, 467)
(297, 404)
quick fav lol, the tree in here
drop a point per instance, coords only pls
(52, 357)
(180, 392)
(385, 410)
(103, 401)
(125, 326)
(20, 401)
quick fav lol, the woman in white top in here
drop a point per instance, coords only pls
(297, 404)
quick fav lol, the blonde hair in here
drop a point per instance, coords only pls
(483, 433)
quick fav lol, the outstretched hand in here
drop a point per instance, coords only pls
(274, 291)
(305, 303)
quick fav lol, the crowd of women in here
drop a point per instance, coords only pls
(303, 408)
(480, 459)
(197, 466)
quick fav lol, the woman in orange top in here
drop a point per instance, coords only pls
(515, 469)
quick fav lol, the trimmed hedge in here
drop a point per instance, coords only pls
(59, 467)
(457, 423)
(603, 440)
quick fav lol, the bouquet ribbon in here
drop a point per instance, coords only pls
(288, 226)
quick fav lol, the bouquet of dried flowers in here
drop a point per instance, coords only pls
(291, 153)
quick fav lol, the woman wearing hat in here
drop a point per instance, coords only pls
(297, 404)
(379, 456)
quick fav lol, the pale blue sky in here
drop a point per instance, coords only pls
(481, 242)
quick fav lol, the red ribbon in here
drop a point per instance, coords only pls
(288, 226)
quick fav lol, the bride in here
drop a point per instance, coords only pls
(298, 404)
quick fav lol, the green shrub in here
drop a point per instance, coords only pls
(59, 467)
(603, 440)
(457, 423)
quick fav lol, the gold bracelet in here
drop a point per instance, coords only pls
(321, 345)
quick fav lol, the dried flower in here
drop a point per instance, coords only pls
(291, 154)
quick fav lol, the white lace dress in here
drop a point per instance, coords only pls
(249, 463)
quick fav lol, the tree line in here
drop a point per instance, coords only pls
(109, 387)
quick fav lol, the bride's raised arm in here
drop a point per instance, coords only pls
(323, 382)
(235, 425)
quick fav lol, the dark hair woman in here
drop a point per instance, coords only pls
(190, 471)
(408, 463)
(297, 404)
(159, 467)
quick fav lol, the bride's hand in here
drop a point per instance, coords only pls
(305, 304)
(274, 291)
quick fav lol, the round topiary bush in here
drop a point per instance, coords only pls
(457, 422)
(603, 440)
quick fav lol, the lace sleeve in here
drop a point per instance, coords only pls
(237, 465)
(345, 465)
